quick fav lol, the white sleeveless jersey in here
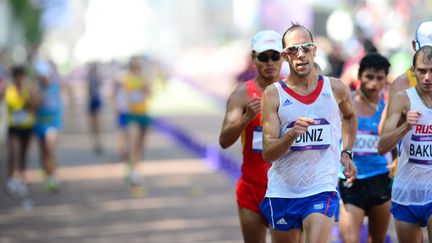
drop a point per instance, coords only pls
(312, 163)
(413, 182)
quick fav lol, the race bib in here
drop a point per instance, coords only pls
(135, 97)
(317, 137)
(366, 143)
(50, 103)
(420, 149)
(257, 140)
(19, 117)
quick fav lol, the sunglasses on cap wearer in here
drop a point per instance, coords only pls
(294, 49)
(265, 57)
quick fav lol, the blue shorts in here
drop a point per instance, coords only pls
(412, 214)
(122, 120)
(42, 131)
(47, 123)
(95, 104)
(288, 213)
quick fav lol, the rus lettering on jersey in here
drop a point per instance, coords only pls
(423, 129)
(420, 147)
(317, 137)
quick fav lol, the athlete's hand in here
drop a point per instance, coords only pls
(350, 170)
(413, 117)
(253, 107)
(301, 125)
(392, 168)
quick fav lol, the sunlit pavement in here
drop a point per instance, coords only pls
(184, 200)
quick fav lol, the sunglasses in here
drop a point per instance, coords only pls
(294, 49)
(275, 56)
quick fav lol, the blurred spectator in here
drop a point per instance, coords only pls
(136, 87)
(121, 109)
(48, 121)
(21, 104)
(350, 70)
(336, 60)
(94, 81)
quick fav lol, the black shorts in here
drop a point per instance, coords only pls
(368, 192)
(22, 133)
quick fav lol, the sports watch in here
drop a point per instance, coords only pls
(348, 151)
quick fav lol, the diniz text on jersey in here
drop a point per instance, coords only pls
(310, 136)
(317, 137)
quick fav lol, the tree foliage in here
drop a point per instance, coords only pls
(29, 16)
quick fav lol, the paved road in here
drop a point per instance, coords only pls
(184, 200)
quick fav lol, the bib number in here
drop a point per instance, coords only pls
(136, 97)
(420, 149)
(317, 137)
(19, 117)
(366, 143)
(257, 140)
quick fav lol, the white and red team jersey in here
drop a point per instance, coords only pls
(413, 182)
(312, 163)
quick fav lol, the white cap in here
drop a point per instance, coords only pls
(267, 40)
(424, 35)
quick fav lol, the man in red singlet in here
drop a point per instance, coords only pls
(243, 118)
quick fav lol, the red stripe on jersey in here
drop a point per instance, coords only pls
(305, 99)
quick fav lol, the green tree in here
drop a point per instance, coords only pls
(29, 16)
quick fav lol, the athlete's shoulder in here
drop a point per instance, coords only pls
(400, 96)
(399, 84)
(271, 89)
(338, 85)
(239, 95)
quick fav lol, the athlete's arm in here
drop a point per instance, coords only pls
(240, 111)
(35, 99)
(349, 124)
(399, 84)
(147, 88)
(275, 146)
(116, 86)
(392, 133)
(348, 115)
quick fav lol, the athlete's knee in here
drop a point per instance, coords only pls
(349, 236)
(378, 238)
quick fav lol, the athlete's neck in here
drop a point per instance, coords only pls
(372, 98)
(425, 96)
(263, 83)
(18, 84)
(302, 83)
